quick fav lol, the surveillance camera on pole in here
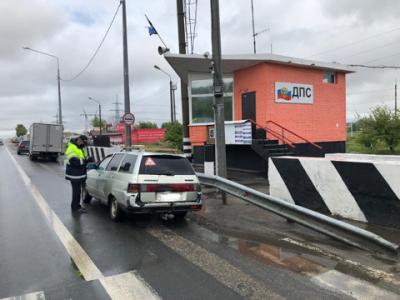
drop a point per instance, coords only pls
(162, 50)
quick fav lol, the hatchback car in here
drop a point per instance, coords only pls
(23, 147)
(143, 182)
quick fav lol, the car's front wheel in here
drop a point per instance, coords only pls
(115, 210)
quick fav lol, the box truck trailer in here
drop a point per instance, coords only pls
(46, 141)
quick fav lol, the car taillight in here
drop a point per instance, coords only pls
(133, 188)
(173, 187)
(21, 146)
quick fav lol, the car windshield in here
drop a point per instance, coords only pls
(165, 165)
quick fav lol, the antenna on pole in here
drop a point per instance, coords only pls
(190, 8)
(255, 34)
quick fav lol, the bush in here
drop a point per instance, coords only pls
(173, 134)
(381, 128)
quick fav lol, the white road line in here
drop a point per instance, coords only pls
(351, 286)
(217, 267)
(123, 286)
(30, 296)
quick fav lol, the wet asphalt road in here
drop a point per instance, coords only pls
(171, 258)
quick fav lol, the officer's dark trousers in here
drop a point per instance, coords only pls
(76, 194)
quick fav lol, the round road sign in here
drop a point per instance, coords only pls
(129, 119)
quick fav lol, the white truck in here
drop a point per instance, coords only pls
(46, 141)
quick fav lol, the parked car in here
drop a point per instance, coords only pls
(1, 142)
(142, 182)
(23, 147)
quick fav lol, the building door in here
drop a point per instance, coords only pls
(249, 106)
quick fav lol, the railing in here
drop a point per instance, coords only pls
(339, 230)
(276, 134)
(284, 129)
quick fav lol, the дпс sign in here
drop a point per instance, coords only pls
(286, 92)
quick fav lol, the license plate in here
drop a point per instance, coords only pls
(168, 197)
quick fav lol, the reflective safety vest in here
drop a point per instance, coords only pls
(75, 162)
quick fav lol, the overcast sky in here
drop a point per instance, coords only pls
(352, 32)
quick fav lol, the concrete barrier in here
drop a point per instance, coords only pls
(366, 190)
(99, 153)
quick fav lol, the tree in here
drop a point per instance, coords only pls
(381, 126)
(95, 122)
(144, 125)
(21, 130)
(173, 134)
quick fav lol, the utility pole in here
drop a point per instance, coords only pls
(126, 74)
(219, 115)
(252, 23)
(187, 148)
(395, 98)
(117, 112)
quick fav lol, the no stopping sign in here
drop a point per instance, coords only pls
(129, 119)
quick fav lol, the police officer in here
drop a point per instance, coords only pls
(75, 171)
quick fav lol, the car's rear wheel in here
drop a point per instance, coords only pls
(19, 153)
(180, 215)
(115, 210)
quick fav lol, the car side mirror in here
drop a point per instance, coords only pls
(91, 166)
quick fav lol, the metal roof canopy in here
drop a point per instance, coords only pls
(184, 64)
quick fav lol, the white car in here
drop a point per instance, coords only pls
(143, 182)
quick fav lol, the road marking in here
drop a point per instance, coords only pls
(351, 286)
(30, 296)
(219, 268)
(117, 286)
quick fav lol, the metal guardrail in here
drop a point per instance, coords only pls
(336, 229)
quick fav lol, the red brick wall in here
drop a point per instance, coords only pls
(322, 121)
(198, 135)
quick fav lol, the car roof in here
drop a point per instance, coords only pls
(145, 153)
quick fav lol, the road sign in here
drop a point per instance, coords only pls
(129, 119)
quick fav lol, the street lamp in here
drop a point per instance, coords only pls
(58, 80)
(172, 89)
(94, 100)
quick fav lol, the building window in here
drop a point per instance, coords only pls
(202, 97)
(329, 77)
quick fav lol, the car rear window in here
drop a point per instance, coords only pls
(165, 165)
(25, 143)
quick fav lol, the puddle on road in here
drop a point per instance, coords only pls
(322, 271)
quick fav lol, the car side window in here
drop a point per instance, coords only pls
(128, 163)
(104, 163)
(114, 163)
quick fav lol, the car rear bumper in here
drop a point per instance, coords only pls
(163, 209)
(135, 206)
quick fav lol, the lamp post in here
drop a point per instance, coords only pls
(58, 80)
(94, 100)
(171, 93)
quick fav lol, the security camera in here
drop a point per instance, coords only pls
(162, 50)
(206, 54)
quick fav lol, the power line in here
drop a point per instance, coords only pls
(356, 42)
(369, 50)
(384, 57)
(375, 67)
(98, 48)
(373, 91)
